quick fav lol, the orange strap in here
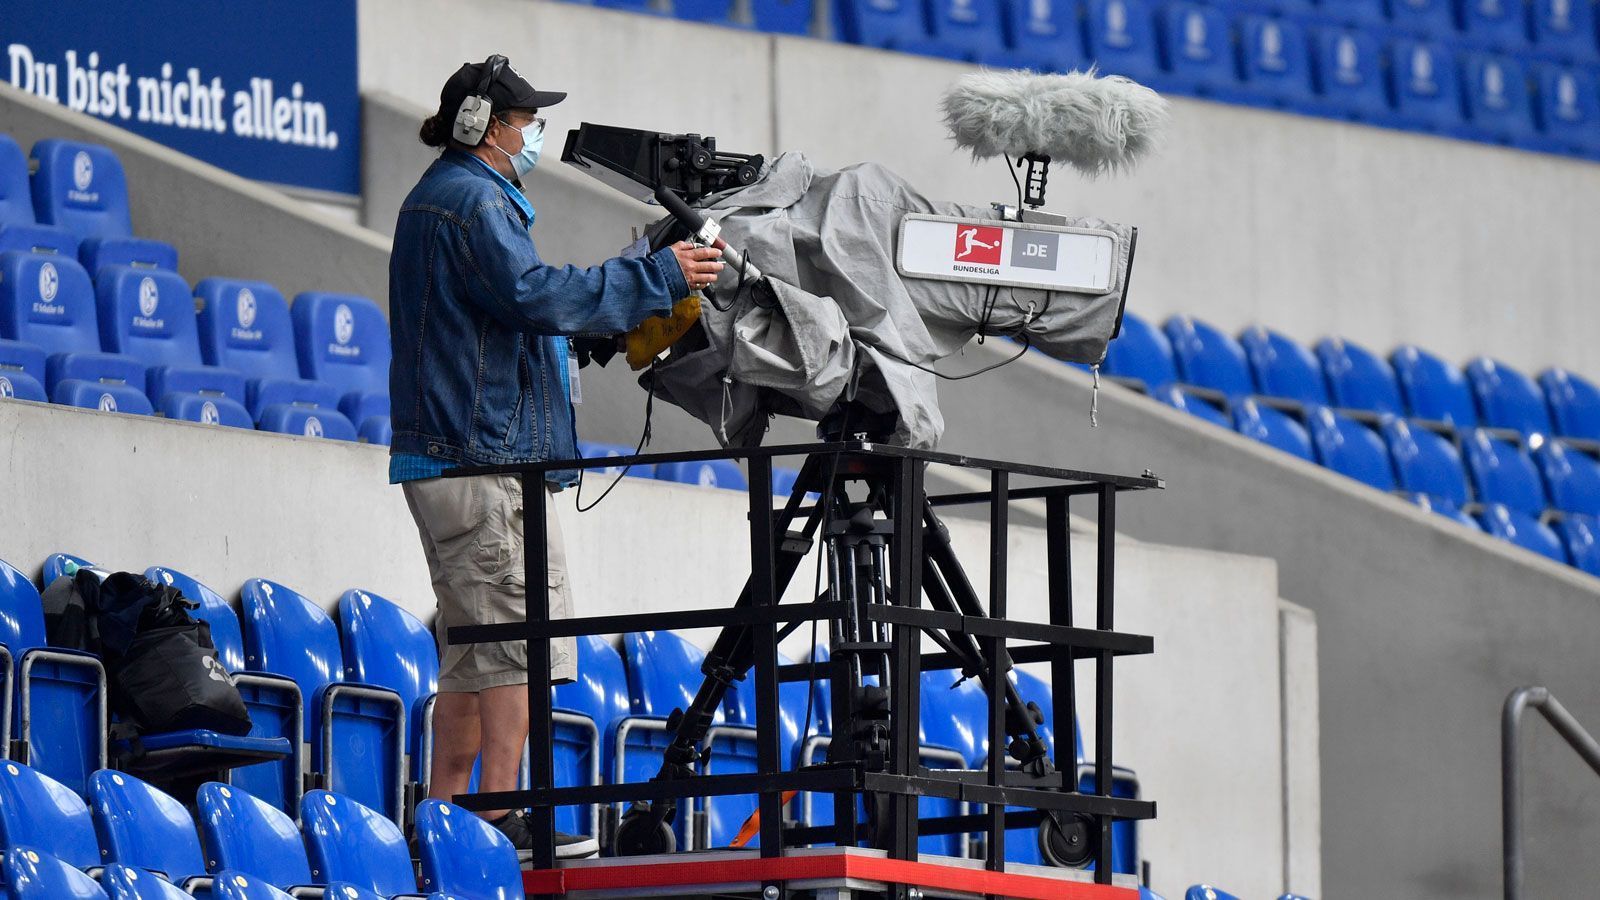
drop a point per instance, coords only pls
(753, 824)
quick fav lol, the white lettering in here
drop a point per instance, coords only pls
(144, 322)
(345, 350)
(245, 334)
(48, 309)
(30, 75)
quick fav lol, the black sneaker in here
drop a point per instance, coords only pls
(514, 825)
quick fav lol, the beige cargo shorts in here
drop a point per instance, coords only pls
(472, 535)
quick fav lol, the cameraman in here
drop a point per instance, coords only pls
(483, 375)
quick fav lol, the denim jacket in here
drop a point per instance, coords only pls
(479, 322)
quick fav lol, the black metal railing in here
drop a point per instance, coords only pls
(1579, 739)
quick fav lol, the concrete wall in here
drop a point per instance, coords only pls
(1311, 226)
(226, 505)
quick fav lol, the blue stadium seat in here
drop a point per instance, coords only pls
(1507, 398)
(142, 827)
(1445, 508)
(19, 230)
(59, 564)
(1141, 353)
(1049, 32)
(105, 397)
(81, 188)
(1358, 378)
(343, 340)
(377, 430)
(307, 421)
(723, 473)
(879, 23)
(64, 691)
(38, 239)
(1122, 40)
(1427, 90)
(1580, 535)
(968, 30)
(1433, 389)
(1359, 14)
(1175, 397)
(245, 326)
(1430, 18)
(1499, 105)
(124, 883)
(1568, 99)
(1503, 473)
(715, 12)
(48, 301)
(634, 6)
(1565, 28)
(138, 252)
(1275, 62)
(663, 675)
(598, 699)
(1207, 357)
(1574, 404)
(1207, 892)
(287, 634)
(734, 751)
(346, 841)
(31, 874)
(1349, 67)
(206, 410)
(38, 811)
(1350, 448)
(1273, 428)
(592, 450)
(463, 854)
(216, 612)
(21, 371)
(782, 16)
(1499, 24)
(1522, 529)
(248, 835)
(1282, 367)
(1425, 463)
(1197, 47)
(1571, 478)
(389, 647)
(239, 886)
(149, 316)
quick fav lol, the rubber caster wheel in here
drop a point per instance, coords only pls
(637, 835)
(1070, 844)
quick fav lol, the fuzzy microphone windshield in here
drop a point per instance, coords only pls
(1094, 124)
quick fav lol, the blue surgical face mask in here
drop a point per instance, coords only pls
(532, 143)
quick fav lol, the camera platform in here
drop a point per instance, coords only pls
(894, 582)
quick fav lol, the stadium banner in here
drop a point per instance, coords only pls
(266, 89)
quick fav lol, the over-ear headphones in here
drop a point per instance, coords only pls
(472, 120)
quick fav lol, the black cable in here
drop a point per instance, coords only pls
(644, 441)
(1026, 345)
(1012, 168)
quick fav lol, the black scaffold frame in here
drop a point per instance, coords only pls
(897, 615)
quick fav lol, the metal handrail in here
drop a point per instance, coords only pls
(1573, 733)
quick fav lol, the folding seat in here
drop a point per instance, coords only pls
(125, 883)
(1354, 13)
(59, 564)
(1046, 32)
(879, 23)
(244, 834)
(1568, 107)
(1359, 379)
(1282, 367)
(1571, 478)
(1434, 390)
(21, 371)
(1208, 358)
(142, 827)
(1207, 892)
(245, 326)
(1122, 40)
(715, 12)
(1430, 18)
(48, 301)
(1178, 398)
(1427, 90)
(57, 709)
(1507, 398)
(19, 230)
(663, 673)
(1275, 63)
(134, 252)
(343, 340)
(723, 473)
(1273, 428)
(967, 30)
(592, 450)
(346, 841)
(206, 410)
(307, 421)
(782, 16)
(463, 854)
(376, 430)
(357, 731)
(1581, 537)
(1502, 472)
(1445, 508)
(386, 646)
(1140, 354)
(734, 751)
(599, 697)
(1574, 404)
(1349, 69)
(1565, 28)
(1499, 24)
(1499, 104)
(34, 875)
(1197, 48)
(149, 316)
(1522, 529)
(38, 811)
(82, 188)
(239, 886)
(38, 239)
(1425, 463)
(105, 397)
(1350, 448)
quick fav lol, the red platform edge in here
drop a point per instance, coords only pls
(833, 866)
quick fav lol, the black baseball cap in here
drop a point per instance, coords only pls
(507, 91)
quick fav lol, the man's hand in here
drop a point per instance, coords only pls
(699, 264)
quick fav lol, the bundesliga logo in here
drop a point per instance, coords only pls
(978, 244)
